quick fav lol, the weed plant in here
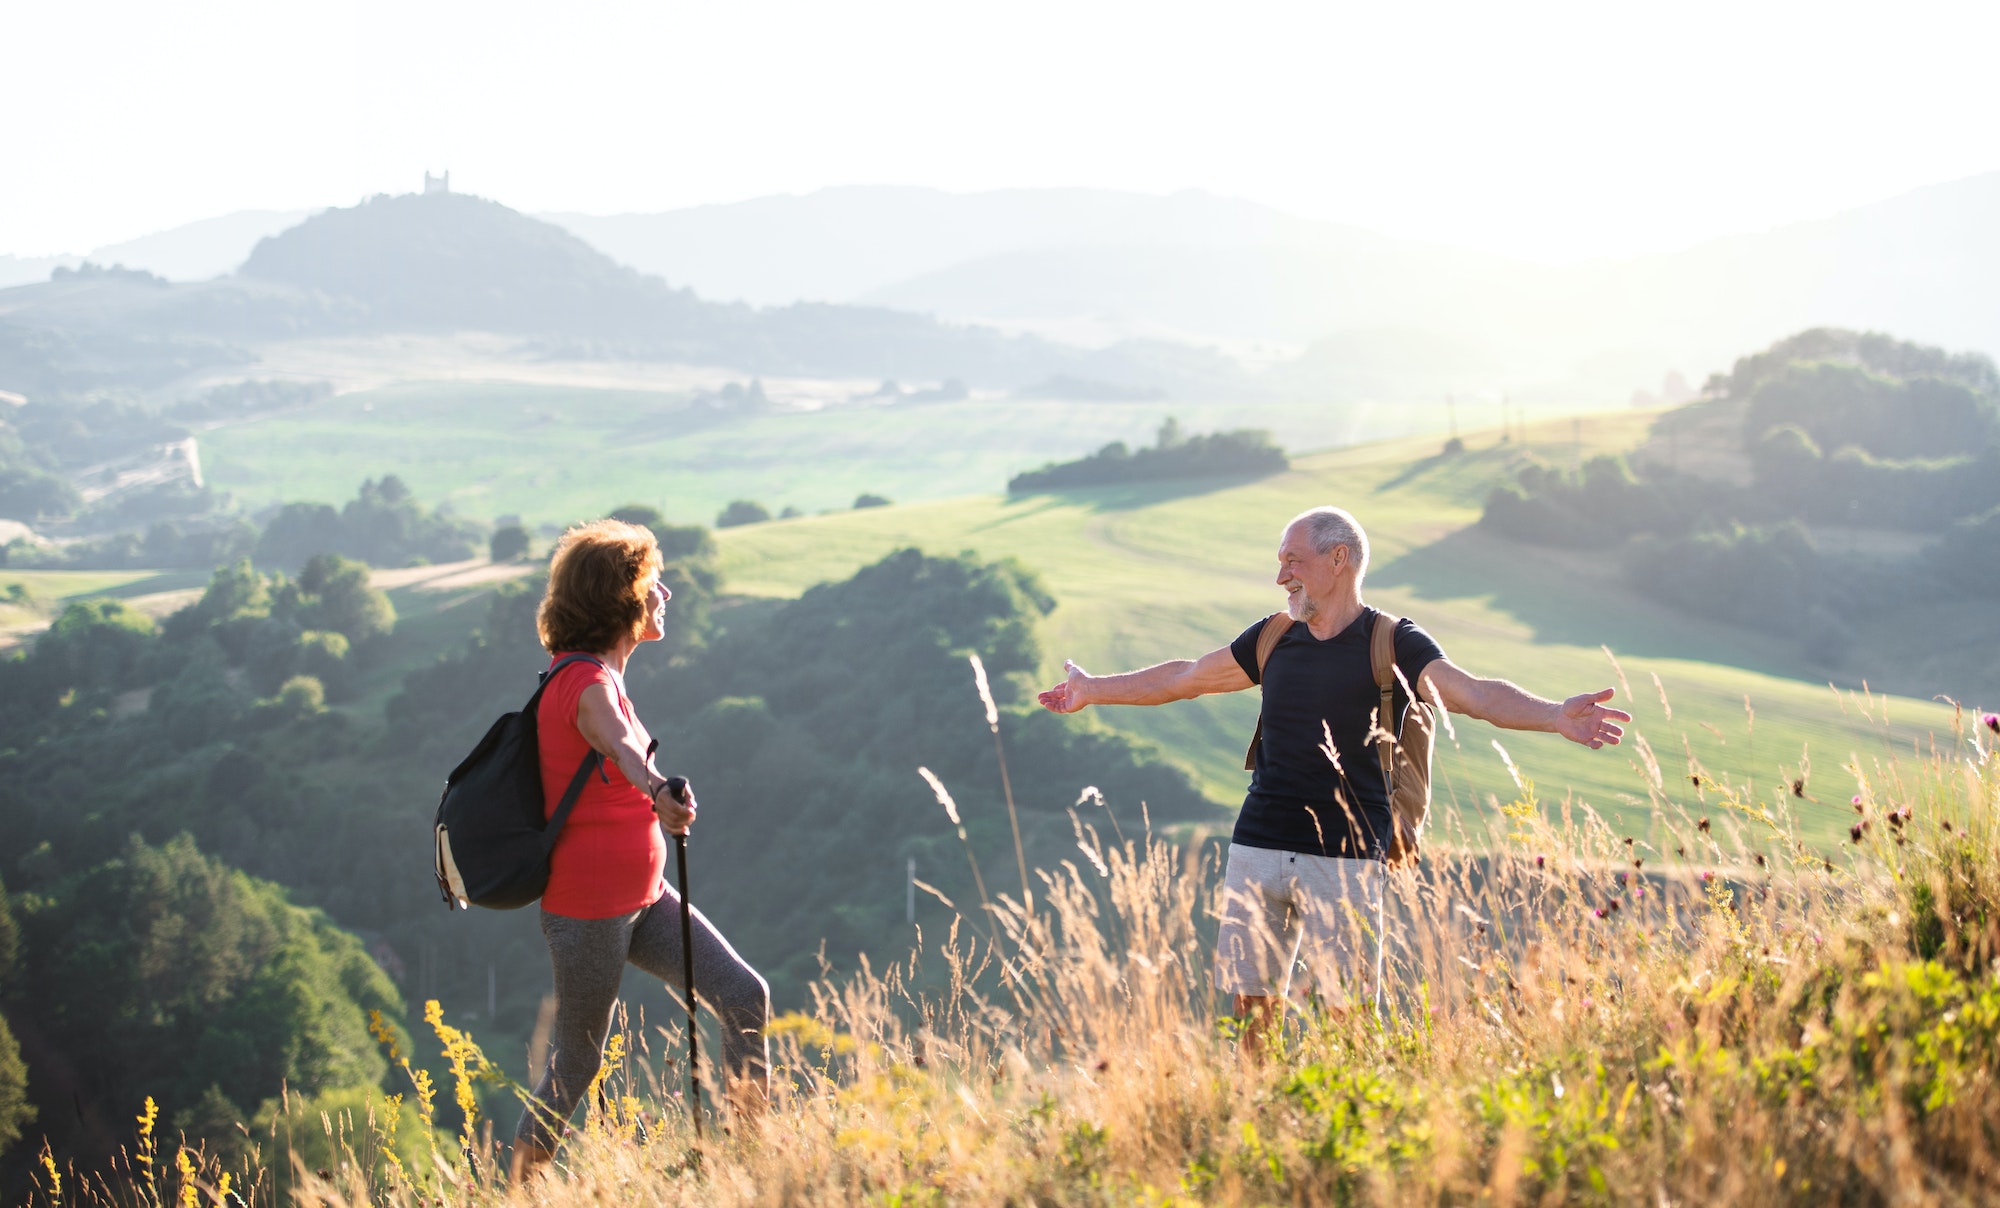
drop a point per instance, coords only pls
(1711, 1012)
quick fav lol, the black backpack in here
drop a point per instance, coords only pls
(492, 843)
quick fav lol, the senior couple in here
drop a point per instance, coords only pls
(1303, 885)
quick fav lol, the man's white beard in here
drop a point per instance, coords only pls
(1299, 606)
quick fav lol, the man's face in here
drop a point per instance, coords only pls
(1308, 576)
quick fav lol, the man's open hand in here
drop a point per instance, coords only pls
(1066, 697)
(1584, 719)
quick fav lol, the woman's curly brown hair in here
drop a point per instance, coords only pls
(597, 596)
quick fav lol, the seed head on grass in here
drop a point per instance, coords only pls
(944, 798)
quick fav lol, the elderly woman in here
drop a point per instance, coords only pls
(608, 901)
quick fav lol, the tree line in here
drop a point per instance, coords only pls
(1245, 453)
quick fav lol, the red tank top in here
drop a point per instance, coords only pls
(611, 857)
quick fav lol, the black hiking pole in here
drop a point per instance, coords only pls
(677, 788)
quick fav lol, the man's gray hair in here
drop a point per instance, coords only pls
(1326, 527)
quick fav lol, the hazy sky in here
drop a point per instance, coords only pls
(1545, 129)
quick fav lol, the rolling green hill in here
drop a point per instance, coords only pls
(554, 454)
(1167, 571)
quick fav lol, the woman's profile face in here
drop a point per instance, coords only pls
(657, 596)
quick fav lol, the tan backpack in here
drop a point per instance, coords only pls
(1405, 755)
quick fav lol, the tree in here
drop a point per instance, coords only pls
(742, 511)
(870, 501)
(164, 972)
(640, 514)
(15, 1110)
(337, 596)
(509, 543)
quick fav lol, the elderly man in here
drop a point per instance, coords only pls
(1305, 862)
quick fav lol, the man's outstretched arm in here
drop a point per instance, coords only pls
(1581, 719)
(1216, 671)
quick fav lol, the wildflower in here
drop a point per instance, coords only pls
(1857, 803)
(1992, 722)
(1680, 850)
(1759, 857)
(1602, 914)
(1799, 787)
(1706, 877)
(1703, 824)
(1541, 861)
(1695, 779)
(1854, 832)
(1614, 906)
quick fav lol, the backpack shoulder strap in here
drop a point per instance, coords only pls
(1382, 658)
(566, 660)
(592, 761)
(1275, 627)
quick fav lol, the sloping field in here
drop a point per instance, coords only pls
(1143, 575)
(556, 454)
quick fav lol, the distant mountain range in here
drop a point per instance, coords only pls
(456, 263)
(1925, 265)
(197, 251)
(1189, 288)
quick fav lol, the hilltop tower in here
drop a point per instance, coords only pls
(437, 184)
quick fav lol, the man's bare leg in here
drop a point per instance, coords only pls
(1257, 1012)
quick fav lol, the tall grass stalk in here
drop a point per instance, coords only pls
(1006, 782)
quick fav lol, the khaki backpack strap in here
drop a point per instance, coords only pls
(1382, 656)
(1275, 626)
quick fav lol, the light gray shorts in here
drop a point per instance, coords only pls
(1287, 914)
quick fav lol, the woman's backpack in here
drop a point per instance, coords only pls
(493, 844)
(1404, 753)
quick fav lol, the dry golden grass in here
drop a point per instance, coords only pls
(1575, 1017)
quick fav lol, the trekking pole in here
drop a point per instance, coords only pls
(677, 788)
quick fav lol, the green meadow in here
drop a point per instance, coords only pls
(1144, 575)
(552, 454)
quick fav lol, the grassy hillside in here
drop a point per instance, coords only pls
(1147, 574)
(556, 453)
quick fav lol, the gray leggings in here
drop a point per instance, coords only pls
(589, 957)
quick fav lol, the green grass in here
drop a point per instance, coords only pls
(557, 454)
(46, 591)
(1144, 575)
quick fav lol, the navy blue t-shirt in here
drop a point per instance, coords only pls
(1297, 800)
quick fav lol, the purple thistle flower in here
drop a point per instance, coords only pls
(1992, 721)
